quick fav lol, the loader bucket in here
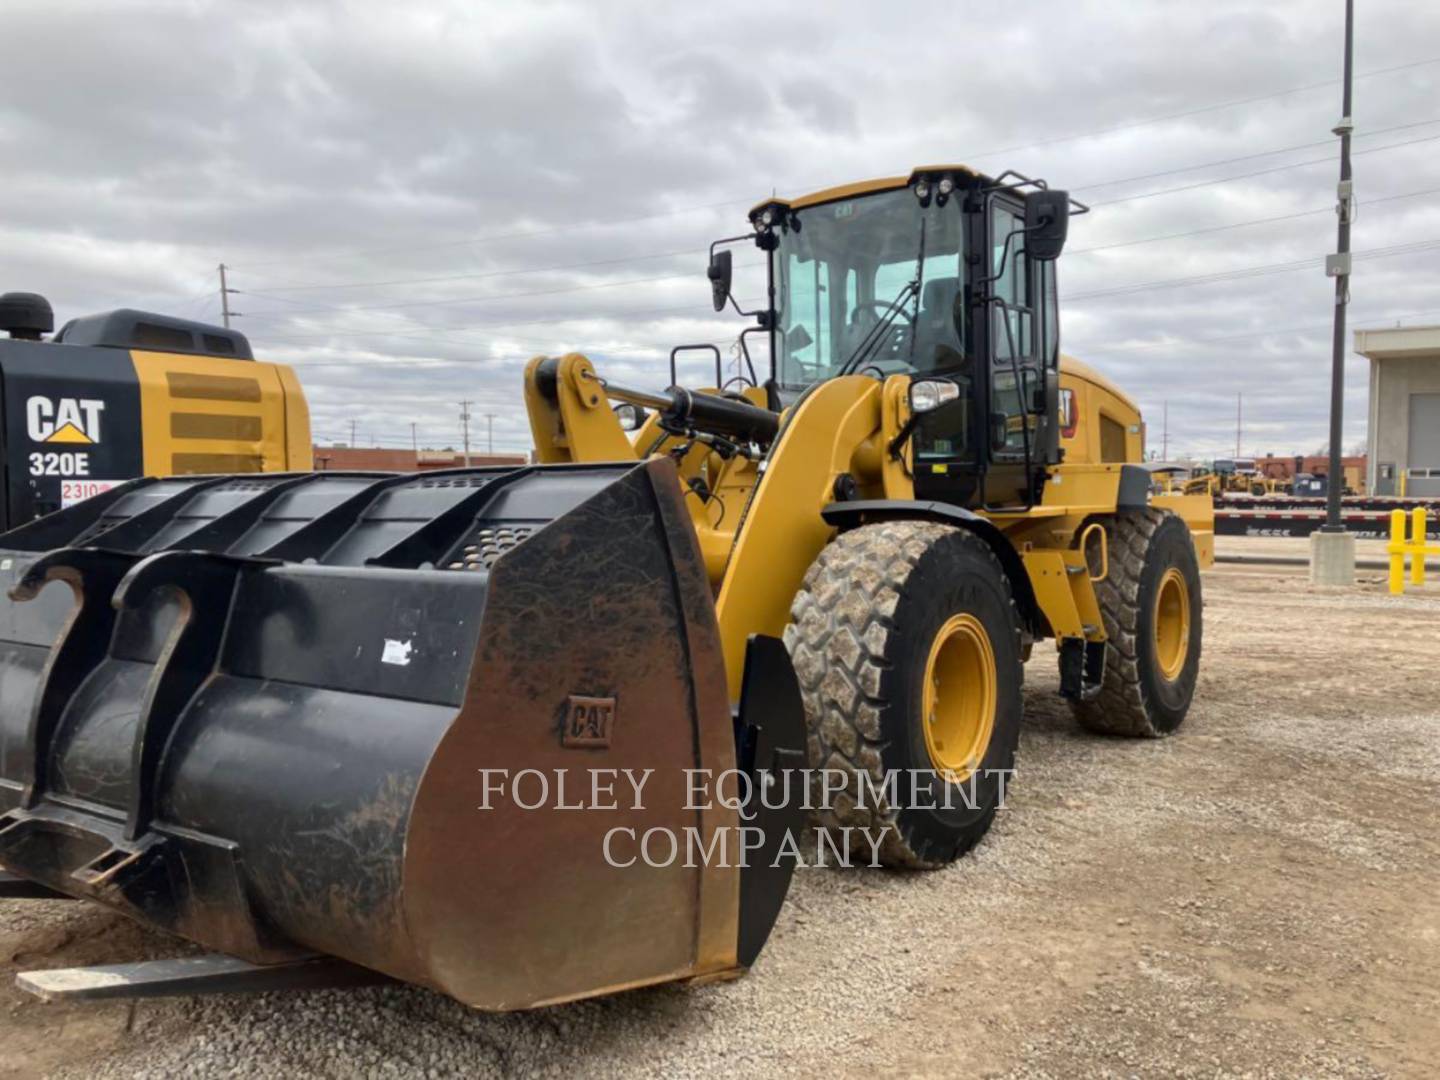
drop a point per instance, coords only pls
(387, 719)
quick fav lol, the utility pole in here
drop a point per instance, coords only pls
(352, 433)
(465, 428)
(490, 433)
(1239, 420)
(1339, 266)
(1332, 559)
(225, 313)
(1165, 434)
(414, 441)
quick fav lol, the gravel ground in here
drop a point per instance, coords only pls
(1257, 896)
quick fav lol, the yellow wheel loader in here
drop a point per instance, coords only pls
(524, 735)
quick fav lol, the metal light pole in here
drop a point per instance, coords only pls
(1332, 549)
(1339, 266)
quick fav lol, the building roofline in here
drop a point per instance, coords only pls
(1398, 342)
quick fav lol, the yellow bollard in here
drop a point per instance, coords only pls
(1396, 550)
(1417, 546)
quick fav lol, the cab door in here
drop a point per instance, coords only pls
(1023, 351)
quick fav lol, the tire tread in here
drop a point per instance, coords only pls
(1121, 707)
(841, 622)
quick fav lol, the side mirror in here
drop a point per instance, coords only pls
(1047, 221)
(631, 417)
(719, 274)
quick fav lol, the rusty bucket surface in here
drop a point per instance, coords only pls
(289, 715)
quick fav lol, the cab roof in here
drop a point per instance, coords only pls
(861, 187)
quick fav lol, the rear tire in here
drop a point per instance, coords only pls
(1151, 607)
(885, 611)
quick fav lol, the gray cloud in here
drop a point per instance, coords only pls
(322, 144)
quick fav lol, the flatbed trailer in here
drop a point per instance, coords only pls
(1348, 503)
(1297, 521)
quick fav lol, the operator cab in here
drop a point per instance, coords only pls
(846, 274)
(945, 276)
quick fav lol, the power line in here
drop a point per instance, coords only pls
(1258, 172)
(1374, 323)
(1225, 275)
(638, 352)
(423, 331)
(525, 234)
(437, 279)
(179, 289)
(470, 277)
(449, 333)
(571, 227)
(1204, 109)
(485, 327)
(1142, 286)
(1251, 157)
(272, 290)
(1252, 271)
(1216, 339)
(1228, 275)
(393, 306)
(1069, 253)
(623, 313)
(486, 299)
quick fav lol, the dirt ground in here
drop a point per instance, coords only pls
(1258, 895)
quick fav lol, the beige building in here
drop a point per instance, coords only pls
(1404, 440)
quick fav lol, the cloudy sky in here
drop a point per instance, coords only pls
(414, 198)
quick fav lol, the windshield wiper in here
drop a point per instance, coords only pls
(871, 340)
(919, 286)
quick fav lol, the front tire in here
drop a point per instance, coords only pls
(1151, 606)
(906, 641)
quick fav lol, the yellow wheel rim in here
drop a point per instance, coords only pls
(958, 704)
(1172, 624)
